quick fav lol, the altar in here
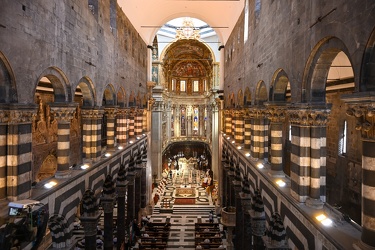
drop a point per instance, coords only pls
(183, 192)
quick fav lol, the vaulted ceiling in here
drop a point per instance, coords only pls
(148, 16)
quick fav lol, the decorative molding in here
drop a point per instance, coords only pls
(309, 116)
(364, 114)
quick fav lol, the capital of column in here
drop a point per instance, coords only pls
(365, 117)
(276, 114)
(158, 106)
(257, 112)
(110, 112)
(107, 204)
(309, 115)
(63, 112)
(17, 113)
(90, 224)
(92, 113)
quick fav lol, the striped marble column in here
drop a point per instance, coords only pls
(111, 116)
(96, 135)
(317, 158)
(131, 121)
(364, 112)
(91, 124)
(228, 123)
(17, 177)
(276, 117)
(239, 127)
(233, 125)
(263, 138)
(138, 122)
(247, 138)
(63, 114)
(300, 162)
(3, 159)
(121, 127)
(255, 137)
(144, 120)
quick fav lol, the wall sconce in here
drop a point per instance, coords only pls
(107, 155)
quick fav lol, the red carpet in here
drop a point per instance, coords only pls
(184, 201)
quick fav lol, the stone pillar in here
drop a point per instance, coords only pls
(228, 122)
(362, 109)
(107, 201)
(177, 119)
(90, 219)
(276, 116)
(245, 229)
(239, 127)
(213, 132)
(138, 122)
(63, 114)
(258, 220)
(137, 193)
(247, 138)
(121, 192)
(189, 125)
(233, 125)
(156, 134)
(308, 167)
(16, 151)
(130, 198)
(121, 127)
(144, 121)
(201, 130)
(96, 135)
(110, 112)
(132, 114)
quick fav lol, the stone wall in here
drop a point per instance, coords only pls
(66, 35)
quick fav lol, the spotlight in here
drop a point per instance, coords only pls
(260, 165)
(247, 154)
(85, 166)
(107, 155)
(50, 184)
(281, 183)
(120, 147)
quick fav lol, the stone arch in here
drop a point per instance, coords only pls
(240, 99)
(261, 95)
(59, 227)
(279, 86)
(247, 97)
(86, 88)
(8, 89)
(59, 82)
(317, 67)
(367, 82)
(109, 96)
(121, 98)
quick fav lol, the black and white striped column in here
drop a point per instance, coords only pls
(255, 137)
(121, 127)
(276, 146)
(239, 127)
(63, 114)
(233, 126)
(18, 154)
(91, 125)
(228, 123)
(111, 116)
(318, 160)
(3, 159)
(131, 121)
(247, 138)
(263, 138)
(138, 122)
(364, 115)
(96, 134)
(300, 162)
(86, 115)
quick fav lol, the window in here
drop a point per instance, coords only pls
(343, 139)
(196, 86)
(182, 85)
(290, 132)
(173, 84)
(246, 22)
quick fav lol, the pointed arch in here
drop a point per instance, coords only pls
(8, 89)
(367, 82)
(317, 67)
(132, 101)
(59, 82)
(261, 95)
(279, 86)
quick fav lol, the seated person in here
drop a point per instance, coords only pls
(207, 241)
(221, 246)
(199, 247)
